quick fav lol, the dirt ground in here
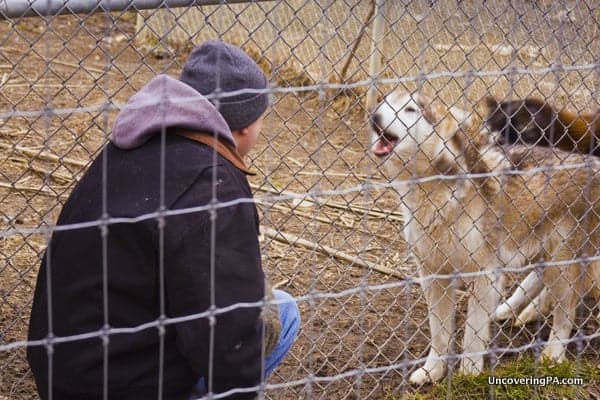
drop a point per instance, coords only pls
(360, 328)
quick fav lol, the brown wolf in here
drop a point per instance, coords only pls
(534, 121)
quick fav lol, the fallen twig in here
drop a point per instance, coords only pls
(329, 220)
(298, 163)
(59, 62)
(38, 190)
(395, 216)
(299, 213)
(334, 174)
(362, 210)
(59, 176)
(44, 155)
(297, 241)
(49, 85)
(280, 284)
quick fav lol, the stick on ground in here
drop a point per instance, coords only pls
(297, 241)
(43, 155)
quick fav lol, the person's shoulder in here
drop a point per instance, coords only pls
(186, 157)
(180, 149)
(206, 156)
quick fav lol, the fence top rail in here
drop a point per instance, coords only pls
(43, 8)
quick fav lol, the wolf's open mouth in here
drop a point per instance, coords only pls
(385, 144)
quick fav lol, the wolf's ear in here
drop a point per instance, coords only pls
(430, 110)
(535, 105)
(491, 103)
(462, 117)
(498, 116)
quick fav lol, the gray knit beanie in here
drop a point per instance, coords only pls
(215, 63)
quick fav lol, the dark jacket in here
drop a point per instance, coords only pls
(133, 255)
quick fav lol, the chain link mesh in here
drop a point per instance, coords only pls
(332, 229)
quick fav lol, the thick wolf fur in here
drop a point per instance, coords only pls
(506, 211)
(534, 121)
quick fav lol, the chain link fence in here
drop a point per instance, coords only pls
(332, 226)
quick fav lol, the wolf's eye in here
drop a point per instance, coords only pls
(410, 109)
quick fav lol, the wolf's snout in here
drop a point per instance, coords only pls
(375, 122)
(385, 141)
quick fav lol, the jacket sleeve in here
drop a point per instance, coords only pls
(228, 242)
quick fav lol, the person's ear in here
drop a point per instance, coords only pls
(240, 132)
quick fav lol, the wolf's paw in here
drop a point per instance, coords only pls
(471, 367)
(422, 375)
(529, 314)
(554, 353)
(503, 312)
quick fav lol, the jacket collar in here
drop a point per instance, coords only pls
(222, 147)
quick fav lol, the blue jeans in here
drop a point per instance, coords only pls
(289, 316)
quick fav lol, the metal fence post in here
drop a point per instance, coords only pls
(375, 61)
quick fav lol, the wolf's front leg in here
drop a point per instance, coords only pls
(565, 298)
(539, 307)
(487, 291)
(527, 290)
(441, 303)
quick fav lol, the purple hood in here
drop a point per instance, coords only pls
(166, 102)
